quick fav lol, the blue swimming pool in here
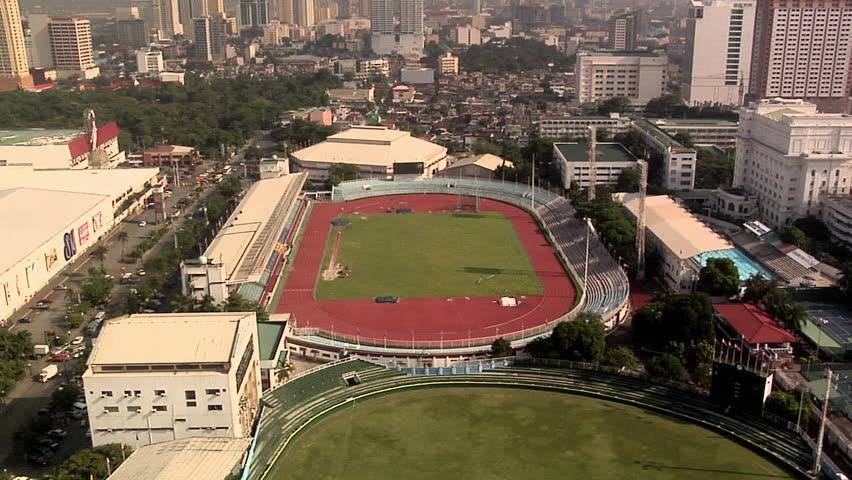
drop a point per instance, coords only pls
(746, 265)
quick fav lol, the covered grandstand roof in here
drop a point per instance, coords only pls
(753, 324)
(207, 458)
(680, 231)
(250, 234)
(374, 146)
(487, 161)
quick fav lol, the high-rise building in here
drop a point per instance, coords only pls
(254, 13)
(381, 16)
(71, 47)
(284, 10)
(14, 68)
(802, 50)
(448, 64)
(201, 33)
(210, 38)
(131, 33)
(303, 13)
(476, 7)
(39, 41)
(215, 7)
(344, 9)
(168, 16)
(149, 62)
(409, 41)
(717, 66)
(791, 157)
(623, 31)
(364, 8)
(411, 17)
(639, 76)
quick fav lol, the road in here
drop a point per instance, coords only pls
(23, 402)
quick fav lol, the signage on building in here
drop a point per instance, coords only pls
(50, 259)
(83, 233)
(70, 245)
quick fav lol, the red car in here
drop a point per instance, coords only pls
(60, 357)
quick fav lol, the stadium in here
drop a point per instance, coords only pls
(463, 261)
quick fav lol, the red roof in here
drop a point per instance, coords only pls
(80, 145)
(753, 324)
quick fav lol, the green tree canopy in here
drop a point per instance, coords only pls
(581, 339)
(667, 366)
(340, 172)
(719, 277)
(94, 462)
(628, 181)
(501, 348)
(622, 357)
(613, 105)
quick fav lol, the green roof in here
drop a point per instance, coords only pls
(268, 337)
(606, 152)
(35, 135)
(716, 122)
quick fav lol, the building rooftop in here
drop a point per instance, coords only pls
(268, 338)
(374, 146)
(29, 223)
(113, 182)
(38, 136)
(207, 458)
(168, 338)
(622, 53)
(681, 232)
(753, 324)
(606, 152)
(658, 134)
(487, 161)
(693, 122)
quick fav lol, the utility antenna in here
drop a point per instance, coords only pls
(593, 164)
(640, 220)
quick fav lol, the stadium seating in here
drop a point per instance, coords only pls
(608, 287)
(289, 408)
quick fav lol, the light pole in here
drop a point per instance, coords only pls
(821, 434)
(823, 322)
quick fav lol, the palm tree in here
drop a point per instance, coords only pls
(122, 237)
(100, 252)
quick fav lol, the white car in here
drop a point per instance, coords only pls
(140, 272)
(77, 340)
(143, 223)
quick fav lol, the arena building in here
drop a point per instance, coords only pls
(375, 152)
(52, 217)
(59, 148)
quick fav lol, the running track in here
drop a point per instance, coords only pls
(430, 319)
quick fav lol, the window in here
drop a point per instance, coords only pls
(127, 393)
(137, 393)
(190, 394)
(160, 393)
(213, 408)
(160, 408)
(106, 393)
(134, 409)
(212, 391)
(110, 409)
(191, 404)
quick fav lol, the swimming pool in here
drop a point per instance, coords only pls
(746, 266)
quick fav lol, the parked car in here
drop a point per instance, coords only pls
(47, 300)
(141, 272)
(41, 306)
(61, 287)
(77, 340)
(25, 320)
(59, 357)
(387, 299)
(57, 433)
(143, 223)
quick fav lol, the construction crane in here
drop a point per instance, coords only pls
(640, 220)
(593, 165)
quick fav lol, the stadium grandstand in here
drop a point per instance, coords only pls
(298, 404)
(247, 254)
(606, 288)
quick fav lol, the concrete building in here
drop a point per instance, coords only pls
(578, 127)
(448, 64)
(678, 162)
(376, 152)
(639, 76)
(483, 167)
(167, 13)
(254, 13)
(210, 39)
(791, 157)
(417, 76)
(837, 215)
(131, 32)
(275, 32)
(149, 62)
(71, 47)
(573, 162)
(203, 380)
(60, 149)
(53, 217)
(303, 13)
(803, 51)
(207, 458)
(623, 30)
(408, 41)
(39, 41)
(373, 68)
(703, 131)
(14, 67)
(717, 66)
(166, 155)
(467, 35)
(238, 259)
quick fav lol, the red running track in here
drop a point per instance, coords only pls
(449, 320)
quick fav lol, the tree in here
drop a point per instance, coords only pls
(720, 277)
(340, 172)
(786, 405)
(92, 462)
(484, 146)
(622, 357)
(714, 169)
(122, 237)
(581, 339)
(794, 235)
(501, 348)
(96, 288)
(685, 139)
(665, 106)
(64, 398)
(99, 252)
(613, 105)
(603, 134)
(628, 181)
(667, 366)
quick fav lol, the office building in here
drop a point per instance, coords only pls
(254, 13)
(718, 56)
(202, 380)
(679, 162)
(803, 51)
(448, 64)
(639, 76)
(373, 68)
(275, 32)
(573, 162)
(409, 40)
(71, 47)
(303, 13)
(791, 157)
(703, 131)
(131, 33)
(167, 15)
(39, 41)
(284, 11)
(210, 39)
(467, 35)
(149, 62)
(14, 67)
(623, 31)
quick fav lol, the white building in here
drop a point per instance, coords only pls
(275, 32)
(679, 162)
(376, 152)
(837, 215)
(71, 47)
(467, 35)
(386, 40)
(448, 64)
(201, 380)
(791, 157)
(718, 52)
(702, 131)
(149, 62)
(372, 68)
(60, 149)
(639, 76)
(207, 458)
(52, 217)
(578, 127)
(573, 162)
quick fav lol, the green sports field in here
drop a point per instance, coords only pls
(429, 255)
(495, 433)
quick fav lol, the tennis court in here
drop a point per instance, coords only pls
(828, 326)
